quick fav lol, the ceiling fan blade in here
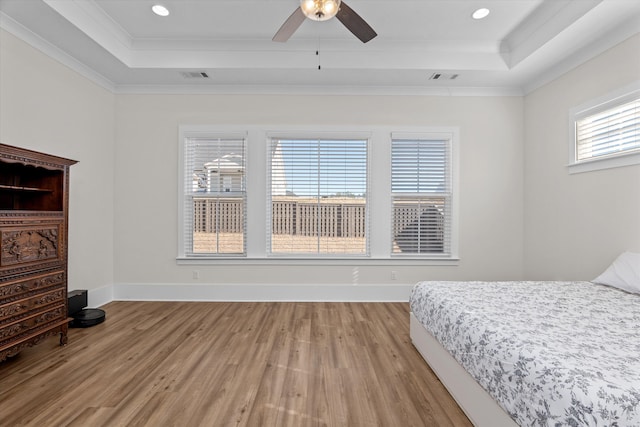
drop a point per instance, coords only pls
(290, 26)
(355, 23)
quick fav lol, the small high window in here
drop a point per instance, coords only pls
(606, 132)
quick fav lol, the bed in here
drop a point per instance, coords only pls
(533, 353)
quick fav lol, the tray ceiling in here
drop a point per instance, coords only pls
(226, 46)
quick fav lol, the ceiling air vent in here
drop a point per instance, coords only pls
(443, 76)
(194, 75)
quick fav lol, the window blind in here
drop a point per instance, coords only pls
(215, 196)
(421, 196)
(611, 132)
(317, 197)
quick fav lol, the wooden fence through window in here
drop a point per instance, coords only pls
(304, 217)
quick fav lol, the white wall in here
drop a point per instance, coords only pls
(127, 145)
(47, 107)
(521, 214)
(575, 225)
(491, 182)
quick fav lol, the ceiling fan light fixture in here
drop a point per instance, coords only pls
(320, 10)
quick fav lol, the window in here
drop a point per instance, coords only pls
(321, 196)
(214, 197)
(317, 197)
(421, 193)
(606, 132)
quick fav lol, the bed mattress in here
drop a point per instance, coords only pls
(550, 353)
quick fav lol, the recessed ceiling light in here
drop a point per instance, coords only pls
(160, 10)
(480, 13)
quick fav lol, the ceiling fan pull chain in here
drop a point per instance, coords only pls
(318, 51)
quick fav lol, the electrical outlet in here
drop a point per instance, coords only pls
(394, 275)
(196, 274)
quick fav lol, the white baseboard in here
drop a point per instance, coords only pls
(253, 292)
(99, 297)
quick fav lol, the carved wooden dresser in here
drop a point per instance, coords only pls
(34, 201)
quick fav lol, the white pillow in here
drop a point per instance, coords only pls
(624, 273)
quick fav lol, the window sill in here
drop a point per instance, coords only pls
(605, 163)
(315, 261)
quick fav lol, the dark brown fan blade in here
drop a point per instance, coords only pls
(290, 26)
(355, 23)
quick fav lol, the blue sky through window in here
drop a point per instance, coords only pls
(320, 168)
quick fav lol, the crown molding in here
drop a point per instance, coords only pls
(545, 23)
(601, 44)
(316, 90)
(89, 18)
(16, 29)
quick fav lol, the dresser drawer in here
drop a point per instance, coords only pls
(23, 287)
(31, 323)
(22, 307)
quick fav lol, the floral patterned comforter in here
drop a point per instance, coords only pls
(550, 353)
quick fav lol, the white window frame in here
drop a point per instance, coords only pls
(321, 136)
(449, 248)
(611, 100)
(378, 187)
(185, 220)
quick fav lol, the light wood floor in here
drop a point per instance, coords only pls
(230, 364)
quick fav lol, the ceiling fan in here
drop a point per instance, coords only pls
(321, 10)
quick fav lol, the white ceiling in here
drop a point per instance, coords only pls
(123, 46)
